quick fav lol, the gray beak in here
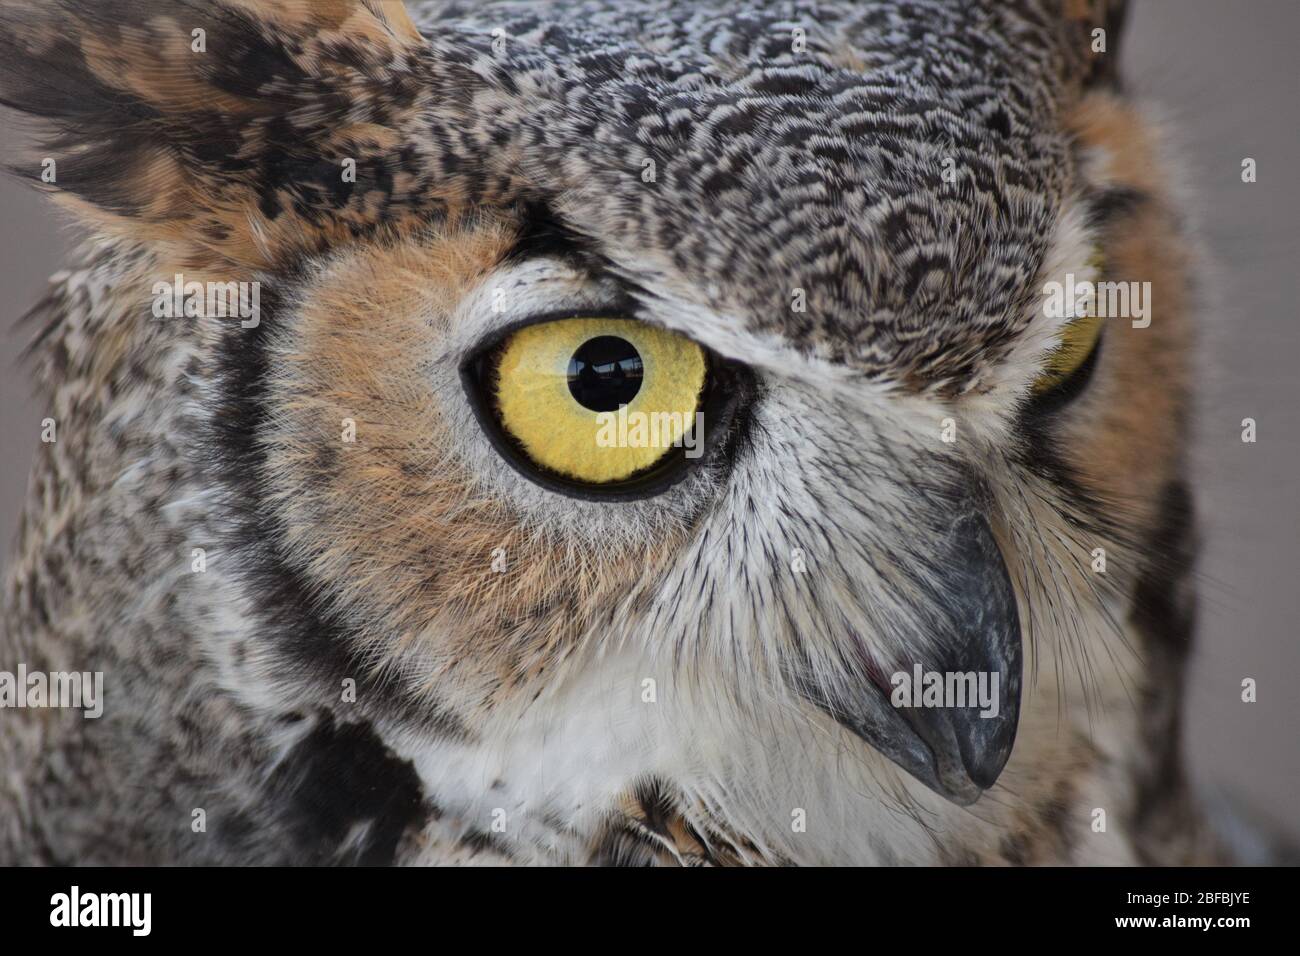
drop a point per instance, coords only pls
(953, 732)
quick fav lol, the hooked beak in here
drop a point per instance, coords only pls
(954, 743)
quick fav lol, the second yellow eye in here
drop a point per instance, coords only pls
(1078, 339)
(599, 400)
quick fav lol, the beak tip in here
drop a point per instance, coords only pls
(963, 784)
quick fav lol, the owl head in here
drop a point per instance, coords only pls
(761, 348)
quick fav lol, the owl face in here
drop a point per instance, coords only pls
(719, 343)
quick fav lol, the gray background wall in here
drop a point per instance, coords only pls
(1224, 73)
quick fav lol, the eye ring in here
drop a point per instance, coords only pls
(726, 387)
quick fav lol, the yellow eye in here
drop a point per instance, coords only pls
(1078, 342)
(599, 400)
(1078, 339)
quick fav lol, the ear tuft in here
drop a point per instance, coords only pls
(242, 131)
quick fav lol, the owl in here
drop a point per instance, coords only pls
(601, 432)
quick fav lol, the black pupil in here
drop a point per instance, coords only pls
(604, 373)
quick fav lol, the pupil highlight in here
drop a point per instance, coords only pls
(604, 373)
